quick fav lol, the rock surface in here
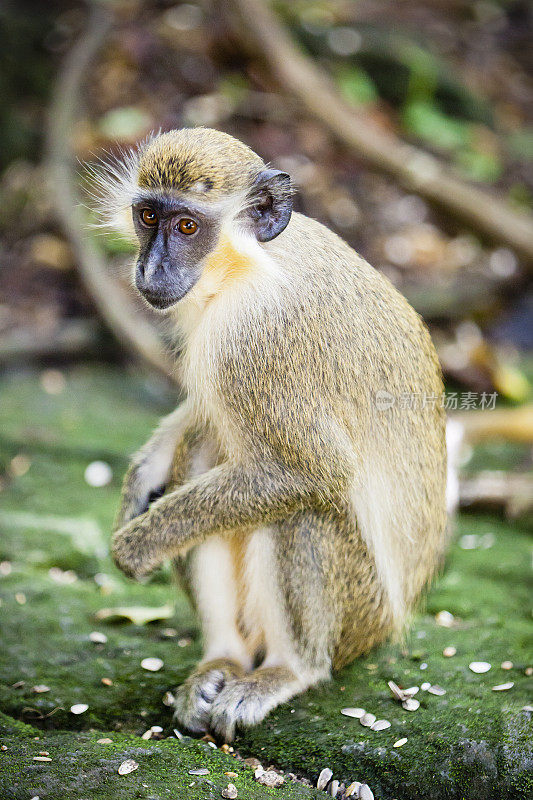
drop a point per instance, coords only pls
(55, 575)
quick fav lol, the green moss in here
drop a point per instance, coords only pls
(471, 743)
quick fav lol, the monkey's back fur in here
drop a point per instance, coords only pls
(343, 335)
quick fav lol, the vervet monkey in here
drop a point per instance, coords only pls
(304, 503)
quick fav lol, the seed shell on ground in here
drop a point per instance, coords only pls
(97, 637)
(105, 740)
(367, 719)
(353, 789)
(450, 651)
(356, 713)
(527, 708)
(199, 771)
(425, 686)
(411, 704)
(79, 708)
(502, 687)
(324, 778)
(168, 699)
(41, 758)
(365, 792)
(396, 691)
(400, 742)
(333, 788)
(479, 667)
(127, 766)
(411, 691)
(152, 664)
(230, 792)
(41, 688)
(437, 690)
(380, 725)
(507, 665)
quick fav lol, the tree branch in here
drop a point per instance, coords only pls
(413, 168)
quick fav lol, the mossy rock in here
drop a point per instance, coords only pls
(471, 743)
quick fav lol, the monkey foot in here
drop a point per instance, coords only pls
(246, 701)
(195, 697)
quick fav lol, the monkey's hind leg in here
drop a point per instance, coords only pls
(287, 604)
(212, 585)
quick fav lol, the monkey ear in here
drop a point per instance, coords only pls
(271, 203)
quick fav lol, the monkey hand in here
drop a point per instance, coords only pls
(134, 550)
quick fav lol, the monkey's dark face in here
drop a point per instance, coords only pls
(174, 237)
(176, 234)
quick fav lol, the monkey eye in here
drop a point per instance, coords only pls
(148, 217)
(187, 226)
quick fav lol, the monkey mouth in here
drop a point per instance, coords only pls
(160, 300)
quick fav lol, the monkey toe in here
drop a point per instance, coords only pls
(195, 697)
(245, 702)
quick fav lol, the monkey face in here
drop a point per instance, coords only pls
(174, 237)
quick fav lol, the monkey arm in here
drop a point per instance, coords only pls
(149, 471)
(229, 496)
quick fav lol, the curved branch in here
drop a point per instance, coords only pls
(113, 303)
(413, 168)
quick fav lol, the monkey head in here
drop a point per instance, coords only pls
(182, 189)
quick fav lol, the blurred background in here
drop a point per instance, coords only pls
(407, 127)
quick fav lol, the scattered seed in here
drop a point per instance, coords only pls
(425, 686)
(3, 747)
(528, 671)
(177, 734)
(79, 708)
(268, 777)
(444, 619)
(353, 789)
(527, 708)
(41, 758)
(41, 688)
(97, 637)
(105, 740)
(400, 742)
(380, 725)
(5, 568)
(199, 771)
(423, 665)
(44, 753)
(367, 719)
(107, 681)
(98, 474)
(365, 792)
(411, 691)
(231, 775)
(438, 690)
(147, 734)
(127, 766)
(411, 704)
(168, 699)
(324, 778)
(479, 667)
(356, 713)
(450, 651)
(333, 788)
(213, 745)
(20, 597)
(152, 664)
(184, 642)
(230, 792)
(507, 665)
(502, 687)
(396, 691)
